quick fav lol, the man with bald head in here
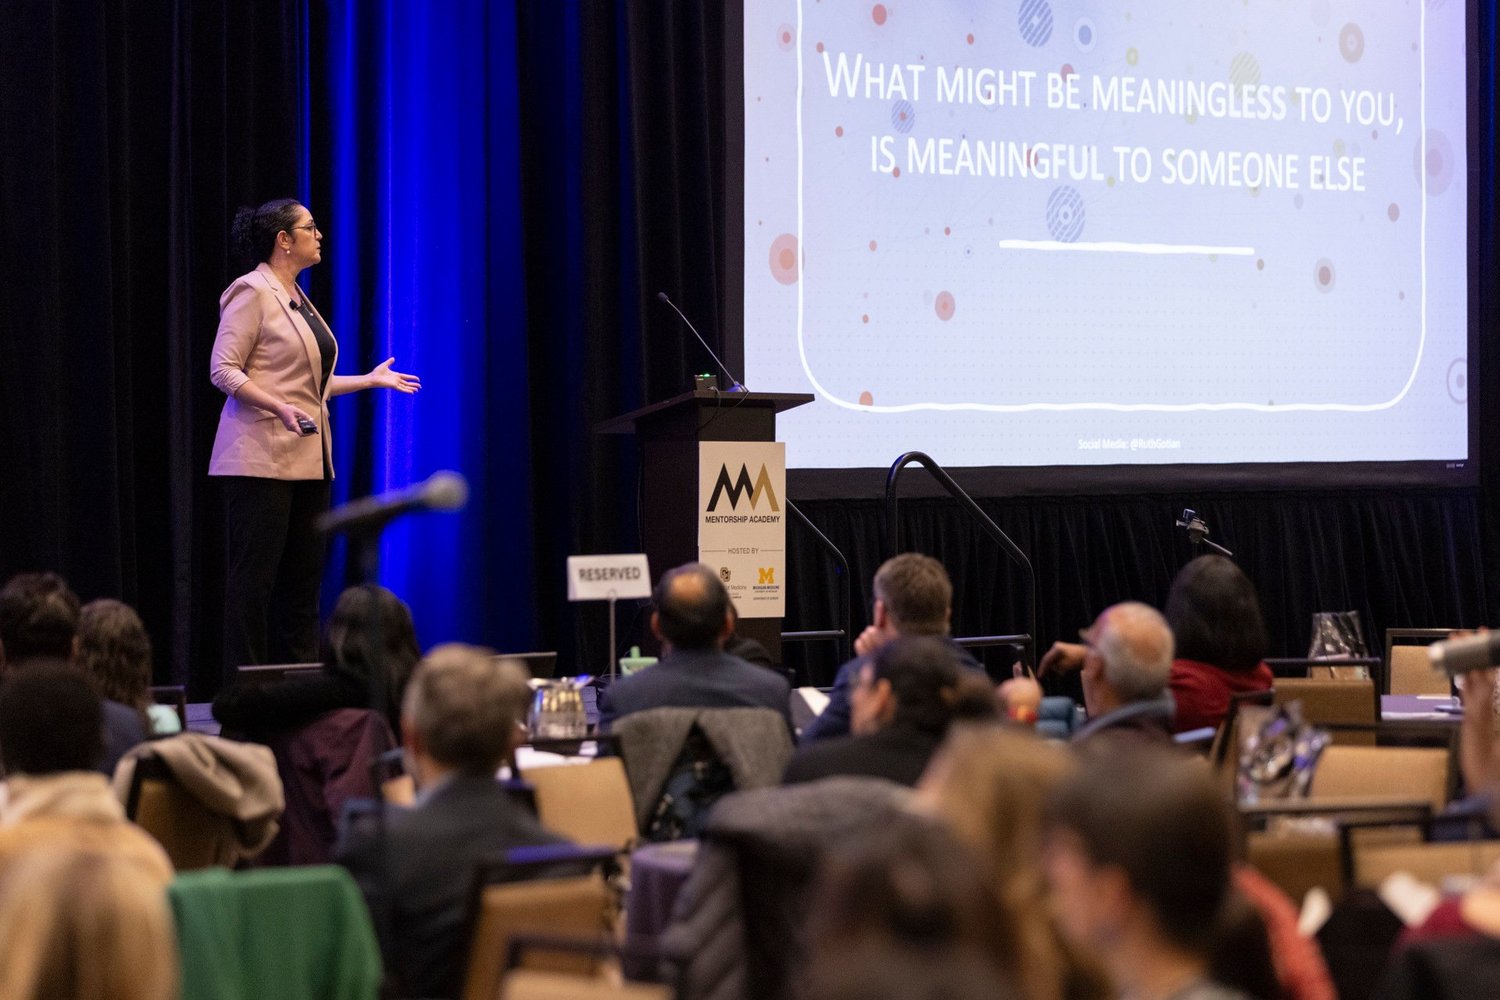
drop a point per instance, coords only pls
(1127, 662)
(693, 618)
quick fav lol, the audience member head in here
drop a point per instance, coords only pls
(916, 682)
(989, 786)
(38, 617)
(114, 649)
(85, 925)
(347, 647)
(692, 608)
(51, 720)
(906, 888)
(1215, 615)
(913, 595)
(1138, 853)
(463, 712)
(1129, 657)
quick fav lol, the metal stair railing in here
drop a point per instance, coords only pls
(986, 524)
(842, 636)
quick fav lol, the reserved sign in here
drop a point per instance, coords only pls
(598, 578)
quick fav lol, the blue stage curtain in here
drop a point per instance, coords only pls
(416, 184)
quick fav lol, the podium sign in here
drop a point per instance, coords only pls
(742, 521)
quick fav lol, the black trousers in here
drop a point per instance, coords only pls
(274, 569)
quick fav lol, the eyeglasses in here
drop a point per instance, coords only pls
(311, 227)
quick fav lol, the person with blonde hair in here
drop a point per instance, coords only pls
(989, 785)
(85, 925)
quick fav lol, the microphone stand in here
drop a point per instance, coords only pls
(1197, 534)
(367, 542)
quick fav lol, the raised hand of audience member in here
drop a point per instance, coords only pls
(1062, 658)
(872, 639)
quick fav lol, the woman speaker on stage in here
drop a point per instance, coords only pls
(274, 358)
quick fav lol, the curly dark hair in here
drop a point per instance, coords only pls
(252, 234)
(115, 650)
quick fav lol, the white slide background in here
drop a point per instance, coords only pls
(1119, 314)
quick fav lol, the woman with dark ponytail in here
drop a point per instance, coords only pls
(274, 357)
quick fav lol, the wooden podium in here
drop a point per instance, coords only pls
(669, 433)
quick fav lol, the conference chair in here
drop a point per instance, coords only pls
(522, 983)
(752, 744)
(1436, 863)
(1298, 856)
(1349, 709)
(1224, 755)
(580, 905)
(529, 984)
(587, 803)
(1408, 773)
(1407, 664)
(290, 933)
(185, 828)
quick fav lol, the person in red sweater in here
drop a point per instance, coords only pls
(1220, 641)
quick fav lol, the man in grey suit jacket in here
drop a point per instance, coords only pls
(693, 618)
(461, 717)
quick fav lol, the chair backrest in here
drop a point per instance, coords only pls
(1418, 773)
(753, 743)
(1412, 673)
(1224, 755)
(1431, 863)
(1398, 645)
(1349, 708)
(587, 803)
(1297, 863)
(323, 765)
(581, 906)
(186, 830)
(531, 984)
(274, 932)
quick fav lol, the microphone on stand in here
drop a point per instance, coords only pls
(441, 491)
(734, 384)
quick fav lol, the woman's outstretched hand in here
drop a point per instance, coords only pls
(382, 377)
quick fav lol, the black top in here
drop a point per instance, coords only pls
(326, 346)
(897, 753)
(254, 709)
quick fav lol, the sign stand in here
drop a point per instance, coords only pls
(608, 578)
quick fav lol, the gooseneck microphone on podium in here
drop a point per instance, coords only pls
(734, 383)
(440, 491)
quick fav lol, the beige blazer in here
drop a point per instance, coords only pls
(262, 338)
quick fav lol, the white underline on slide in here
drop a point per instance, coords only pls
(1148, 248)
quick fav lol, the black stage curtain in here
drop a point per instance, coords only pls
(1400, 561)
(127, 127)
